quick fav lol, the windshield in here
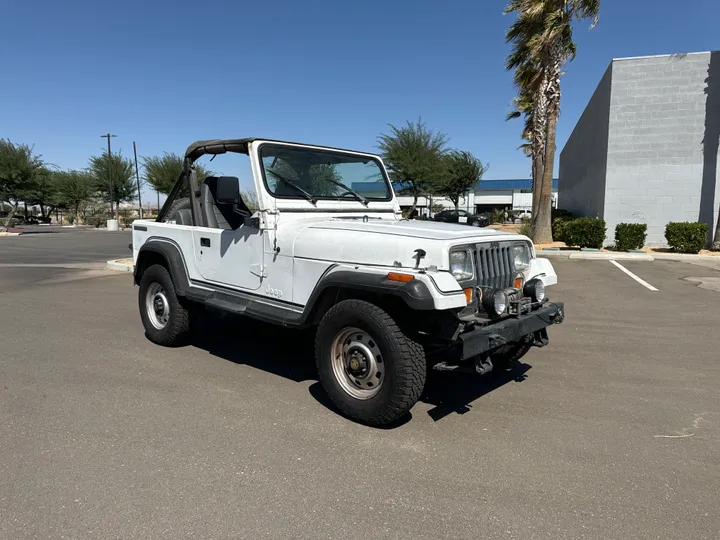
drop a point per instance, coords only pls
(306, 173)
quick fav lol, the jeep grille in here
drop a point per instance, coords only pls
(495, 265)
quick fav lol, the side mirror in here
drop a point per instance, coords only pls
(228, 190)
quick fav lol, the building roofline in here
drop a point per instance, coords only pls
(670, 55)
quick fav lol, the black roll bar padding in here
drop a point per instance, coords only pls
(197, 218)
(171, 197)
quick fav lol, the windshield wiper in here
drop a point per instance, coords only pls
(292, 184)
(350, 191)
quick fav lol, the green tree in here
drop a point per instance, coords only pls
(75, 189)
(123, 178)
(542, 42)
(162, 172)
(19, 169)
(462, 172)
(414, 157)
(43, 192)
(317, 179)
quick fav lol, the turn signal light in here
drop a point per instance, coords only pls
(395, 276)
(468, 294)
(518, 283)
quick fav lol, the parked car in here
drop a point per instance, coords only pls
(388, 298)
(462, 216)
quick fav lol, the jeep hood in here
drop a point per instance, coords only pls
(432, 230)
(386, 242)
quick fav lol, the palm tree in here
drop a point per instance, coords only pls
(524, 107)
(542, 44)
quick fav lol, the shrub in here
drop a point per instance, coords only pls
(497, 215)
(630, 236)
(525, 227)
(558, 228)
(560, 213)
(559, 218)
(584, 232)
(96, 221)
(686, 237)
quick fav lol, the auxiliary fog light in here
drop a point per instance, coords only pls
(495, 302)
(535, 289)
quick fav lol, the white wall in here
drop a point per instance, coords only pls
(523, 201)
(502, 198)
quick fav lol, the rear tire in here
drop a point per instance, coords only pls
(373, 372)
(166, 320)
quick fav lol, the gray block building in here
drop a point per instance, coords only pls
(645, 150)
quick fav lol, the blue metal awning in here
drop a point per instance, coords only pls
(510, 184)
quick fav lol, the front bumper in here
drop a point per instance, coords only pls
(511, 329)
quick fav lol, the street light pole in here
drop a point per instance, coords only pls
(137, 177)
(110, 185)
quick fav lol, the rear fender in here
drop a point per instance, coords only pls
(165, 252)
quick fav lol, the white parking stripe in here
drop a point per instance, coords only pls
(629, 273)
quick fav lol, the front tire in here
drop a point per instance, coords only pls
(166, 320)
(507, 356)
(372, 371)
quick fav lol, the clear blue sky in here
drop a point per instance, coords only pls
(166, 73)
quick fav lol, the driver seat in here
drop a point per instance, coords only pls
(219, 215)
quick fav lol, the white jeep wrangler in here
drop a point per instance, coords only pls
(325, 246)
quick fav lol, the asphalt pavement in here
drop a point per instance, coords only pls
(612, 431)
(70, 246)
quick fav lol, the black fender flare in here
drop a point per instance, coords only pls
(169, 251)
(415, 293)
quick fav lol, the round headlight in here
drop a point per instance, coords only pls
(495, 302)
(521, 256)
(461, 265)
(535, 289)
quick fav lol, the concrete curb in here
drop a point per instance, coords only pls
(622, 256)
(595, 255)
(685, 257)
(9, 234)
(119, 265)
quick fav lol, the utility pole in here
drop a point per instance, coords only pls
(110, 185)
(137, 177)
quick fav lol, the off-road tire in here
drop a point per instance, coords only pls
(177, 329)
(507, 356)
(179, 204)
(404, 363)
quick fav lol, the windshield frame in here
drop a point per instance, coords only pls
(322, 149)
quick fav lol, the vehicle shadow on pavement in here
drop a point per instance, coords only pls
(289, 354)
(455, 392)
(241, 340)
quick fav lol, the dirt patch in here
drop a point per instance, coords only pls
(560, 245)
(505, 227)
(670, 250)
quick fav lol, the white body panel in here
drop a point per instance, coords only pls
(299, 242)
(226, 260)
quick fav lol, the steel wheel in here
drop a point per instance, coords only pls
(475, 223)
(357, 363)
(157, 306)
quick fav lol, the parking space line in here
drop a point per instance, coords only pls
(636, 278)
